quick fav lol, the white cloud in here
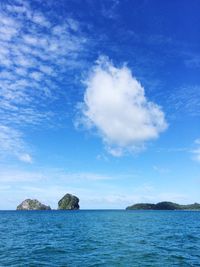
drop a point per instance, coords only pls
(58, 176)
(196, 151)
(116, 105)
(12, 144)
(184, 100)
(12, 174)
(32, 62)
(26, 158)
(161, 170)
(36, 75)
(30, 50)
(41, 20)
(197, 141)
(196, 154)
(87, 176)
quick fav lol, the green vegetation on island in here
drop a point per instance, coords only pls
(32, 204)
(68, 202)
(165, 205)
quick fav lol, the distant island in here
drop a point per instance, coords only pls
(165, 205)
(68, 202)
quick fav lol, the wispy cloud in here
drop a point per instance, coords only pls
(12, 144)
(115, 104)
(108, 9)
(191, 59)
(196, 150)
(15, 174)
(35, 52)
(160, 169)
(185, 100)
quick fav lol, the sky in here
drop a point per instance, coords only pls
(100, 99)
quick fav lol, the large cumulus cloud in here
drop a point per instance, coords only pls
(115, 104)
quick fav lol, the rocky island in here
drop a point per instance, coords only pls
(32, 204)
(165, 205)
(68, 202)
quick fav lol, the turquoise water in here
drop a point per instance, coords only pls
(99, 238)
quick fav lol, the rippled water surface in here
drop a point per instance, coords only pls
(99, 238)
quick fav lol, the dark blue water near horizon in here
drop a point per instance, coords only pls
(100, 238)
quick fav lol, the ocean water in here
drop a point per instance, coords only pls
(100, 238)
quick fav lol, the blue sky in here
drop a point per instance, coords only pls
(100, 99)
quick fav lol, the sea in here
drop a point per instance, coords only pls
(100, 238)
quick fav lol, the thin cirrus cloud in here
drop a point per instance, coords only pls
(12, 144)
(35, 51)
(116, 106)
(196, 151)
(185, 100)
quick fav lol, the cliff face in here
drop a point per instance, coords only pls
(32, 204)
(68, 202)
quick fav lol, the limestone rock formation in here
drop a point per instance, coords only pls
(32, 204)
(68, 202)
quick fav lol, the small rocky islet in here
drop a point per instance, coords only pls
(68, 202)
(32, 204)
